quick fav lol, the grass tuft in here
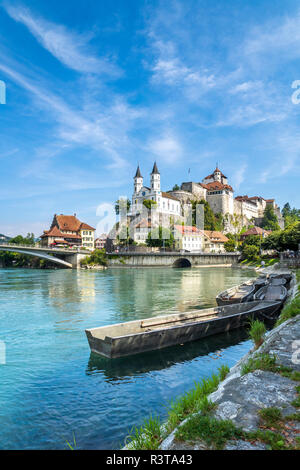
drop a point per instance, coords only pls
(215, 433)
(257, 332)
(291, 310)
(146, 437)
(271, 417)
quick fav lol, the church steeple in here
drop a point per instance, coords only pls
(155, 179)
(155, 170)
(138, 180)
(138, 172)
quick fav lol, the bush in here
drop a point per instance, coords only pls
(250, 252)
(96, 257)
(229, 246)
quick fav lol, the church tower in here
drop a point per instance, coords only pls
(155, 179)
(138, 181)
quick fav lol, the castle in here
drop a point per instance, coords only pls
(236, 211)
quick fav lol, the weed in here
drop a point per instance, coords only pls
(214, 432)
(257, 332)
(270, 417)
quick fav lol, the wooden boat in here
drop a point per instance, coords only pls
(241, 293)
(287, 276)
(271, 293)
(278, 281)
(125, 339)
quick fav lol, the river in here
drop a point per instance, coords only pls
(52, 388)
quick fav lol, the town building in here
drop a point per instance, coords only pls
(214, 241)
(256, 231)
(188, 238)
(100, 242)
(68, 230)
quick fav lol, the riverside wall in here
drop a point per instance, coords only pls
(172, 259)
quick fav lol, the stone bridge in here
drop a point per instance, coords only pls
(69, 258)
(177, 260)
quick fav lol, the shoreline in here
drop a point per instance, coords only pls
(242, 399)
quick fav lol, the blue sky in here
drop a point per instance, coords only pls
(94, 87)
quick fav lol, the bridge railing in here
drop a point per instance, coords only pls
(45, 248)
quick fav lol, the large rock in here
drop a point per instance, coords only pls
(243, 397)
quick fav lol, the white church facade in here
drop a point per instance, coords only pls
(164, 203)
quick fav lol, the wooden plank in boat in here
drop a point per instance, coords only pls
(145, 324)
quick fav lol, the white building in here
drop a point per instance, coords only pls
(164, 203)
(189, 238)
(165, 208)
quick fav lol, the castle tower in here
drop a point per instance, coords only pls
(155, 179)
(138, 181)
(217, 175)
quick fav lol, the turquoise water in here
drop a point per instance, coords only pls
(51, 386)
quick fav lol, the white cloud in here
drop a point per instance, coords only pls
(281, 35)
(70, 48)
(22, 228)
(166, 147)
(254, 102)
(238, 176)
(286, 156)
(103, 129)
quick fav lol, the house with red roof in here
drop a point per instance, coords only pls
(257, 231)
(188, 238)
(68, 230)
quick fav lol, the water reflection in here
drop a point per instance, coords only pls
(142, 293)
(115, 370)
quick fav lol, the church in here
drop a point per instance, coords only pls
(164, 203)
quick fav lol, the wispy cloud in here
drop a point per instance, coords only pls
(278, 35)
(103, 129)
(286, 158)
(70, 48)
(239, 176)
(166, 147)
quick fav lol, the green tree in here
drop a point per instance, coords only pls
(230, 246)
(211, 221)
(290, 215)
(160, 237)
(290, 237)
(96, 257)
(270, 221)
(286, 211)
(120, 203)
(176, 187)
(272, 241)
(252, 240)
(148, 203)
(250, 252)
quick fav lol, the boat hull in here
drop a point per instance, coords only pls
(226, 319)
(222, 300)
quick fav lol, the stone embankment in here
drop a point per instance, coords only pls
(241, 396)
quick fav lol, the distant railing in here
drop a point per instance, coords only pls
(37, 247)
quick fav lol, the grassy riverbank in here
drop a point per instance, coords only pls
(201, 424)
(150, 435)
(258, 263)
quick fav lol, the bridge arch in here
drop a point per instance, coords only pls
(37, 254)
(182, 263)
